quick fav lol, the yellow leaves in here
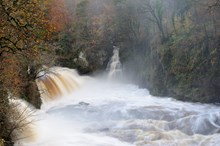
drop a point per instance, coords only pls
(214, 59)
(183, 24)
(1, 142)
(188, 24)
(96, 25)
(177, 23)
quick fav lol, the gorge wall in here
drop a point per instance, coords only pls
(171, 47)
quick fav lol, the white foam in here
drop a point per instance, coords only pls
(105, 113)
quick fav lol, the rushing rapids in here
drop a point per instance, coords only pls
(101, 112)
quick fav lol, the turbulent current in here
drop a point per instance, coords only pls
(92, 111)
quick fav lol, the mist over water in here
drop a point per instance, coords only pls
(105, 112)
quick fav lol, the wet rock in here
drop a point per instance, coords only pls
(33, 95)
(83, 103)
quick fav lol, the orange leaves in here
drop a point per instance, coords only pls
(23, 25)
(11, 73)
(58, 15)
(24, 29)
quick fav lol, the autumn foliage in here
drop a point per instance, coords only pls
(23, 25)
(58, 14)
(24, 32)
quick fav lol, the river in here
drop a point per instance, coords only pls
(101, 111)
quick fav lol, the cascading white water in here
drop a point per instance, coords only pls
(114, 65)
(58, 82)
(102, 112)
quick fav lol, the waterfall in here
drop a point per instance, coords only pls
(114, 65)
(96, 112)
(57, 82)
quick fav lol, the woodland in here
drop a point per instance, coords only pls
(170, 47)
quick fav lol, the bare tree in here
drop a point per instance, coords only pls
(215, 3)
(16, 117)
(155, 12)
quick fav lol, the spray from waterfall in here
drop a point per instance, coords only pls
(102, 113)
(57, 82)
(23, 117)
(114, 65)
(125, 115)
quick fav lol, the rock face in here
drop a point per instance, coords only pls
(86, 60)
(98, 59)
(33, 95)
(185, 71)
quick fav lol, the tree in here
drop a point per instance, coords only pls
(58, 15)
(23, 25)
(24, 29)
(215, 3)
(155, 13)
(19, 120)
